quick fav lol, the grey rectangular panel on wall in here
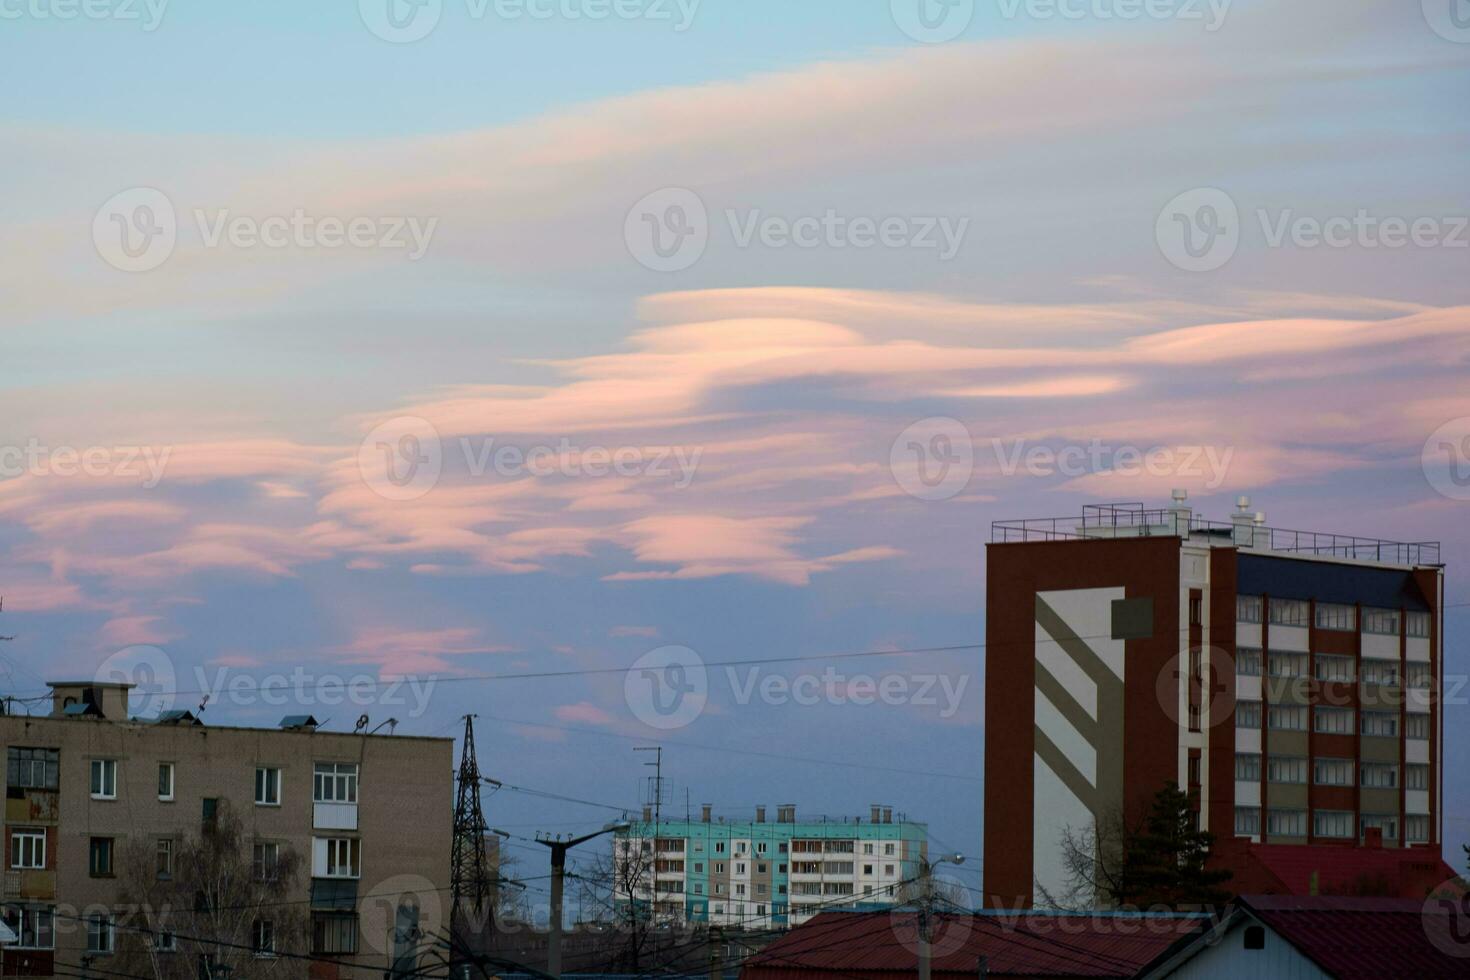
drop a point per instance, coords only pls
(1133, 619)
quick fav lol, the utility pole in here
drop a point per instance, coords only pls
(559, 850)
(658, 799)
(716, 941)
(926, 911)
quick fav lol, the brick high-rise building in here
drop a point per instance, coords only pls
(1284, 679)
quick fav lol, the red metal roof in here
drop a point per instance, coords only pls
(1363, 938)
(882, 945)
(1302, 869)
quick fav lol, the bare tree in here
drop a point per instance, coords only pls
(618, 888)
(211, 906)
(1093, 863)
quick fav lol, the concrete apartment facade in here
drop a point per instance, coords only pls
(370, 816)
(761, 874)
(1287, 680)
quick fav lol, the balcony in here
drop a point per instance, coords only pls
(334, 816)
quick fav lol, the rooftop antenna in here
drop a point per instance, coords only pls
(202, 705)
(6, 639)
(362, 722)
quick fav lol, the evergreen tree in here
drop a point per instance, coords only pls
(1164, 860)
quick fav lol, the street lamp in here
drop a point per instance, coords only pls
(559, 850)
(926, 905)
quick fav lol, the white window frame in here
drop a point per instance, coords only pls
(101, 934)
(1390, 717)
(1249, 708)
(1381, 622)
(1412, 833)
(1248, 766)
(335, 782)
(1329, 766)
(1413, 722)
(103, 779)
(1378, 775)
(1416, 776)
(271, 786)
(1379, 670)
(28, 849)
(1276, 816)
(166, 767)
(1332, 823)
(1247, 608)
(1337, 616)
(1289, 612)
(1279, 712)
(263, 940)
(1248, 821)
(1286, 663)
(38, 920)
(1291, 769)
(1417, 625)
(162, 846)
(1324, 661)
(1388, 821)
(345, 855)
(1332, 720)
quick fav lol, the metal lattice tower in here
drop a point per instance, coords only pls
(469, 876)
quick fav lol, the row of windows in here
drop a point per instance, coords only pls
(1330, 667)
(797, 867)
(1331, 616)
(1329, 772)
(1329, 823)
(39, 768)
(741, 847)
(1330, 720)
(35, 929)
(342, 856)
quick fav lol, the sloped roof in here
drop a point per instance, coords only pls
(881, 945)
(1366, 938)
(1294, 578)
(1407, 872)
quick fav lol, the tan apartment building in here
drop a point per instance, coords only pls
(369, 817)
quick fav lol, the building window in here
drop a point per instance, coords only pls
(888, 870)
(1287, 717)
(104, 779)
(1286, 664)
(1384, 622)
(165, 862)
(101, 934)
(1333, 721)
(1248, 608)
(33, 925)
(1334, 667)
(333, 933)
(760, 848)
(1332, 823)
(165, 942)
(1418, 624)
(1248, 821)
(1286, 823)
(208, 810)
(336, 782)
(99, 860)
(1418, 676)
(888, 850)
(32, 768)
(719, 847)
(166, 781)
(1416, 725)
(1336, 616)
(1385, 822)
(1247, 714)
(740, 867)
(1332, 772)
(1379, 775)
(263, 937)
(341, 857)
(267, 787)
(27, 848)
(1376, 671)
(1286, 769)
(1416, 776)
(1288, 612)
(1194, 770)
(1196, 611)
(1248, 766)
(1381, 723)
(1248, 662)
(699, 867)
(1416, 829)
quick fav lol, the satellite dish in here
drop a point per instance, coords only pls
(362, 723)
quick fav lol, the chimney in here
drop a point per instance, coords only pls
(705, 812)
(647, 814)
(1243, 520)
(1373, 838)
(760, 814)
(1180, 513)
(876, 813)
(1262, 533)
(888, 814)
(786, 813)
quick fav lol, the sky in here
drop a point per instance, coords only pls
(418, 346)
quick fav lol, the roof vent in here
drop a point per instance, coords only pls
(177, 718)
(299, 723)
